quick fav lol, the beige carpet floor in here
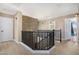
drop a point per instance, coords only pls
(63, 48)
(66, 48)
(12, 48)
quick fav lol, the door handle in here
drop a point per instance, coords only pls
(2, 31)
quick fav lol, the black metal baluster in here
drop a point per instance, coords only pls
(60, 36)
(35, 41)
(42, 39)
(39, 39)
(47, 40)
(32, 39)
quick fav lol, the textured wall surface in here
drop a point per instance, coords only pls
(29, 23)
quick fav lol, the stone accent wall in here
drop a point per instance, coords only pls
(29, 23)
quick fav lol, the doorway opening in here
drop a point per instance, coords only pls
(74, 29)
(71, 29)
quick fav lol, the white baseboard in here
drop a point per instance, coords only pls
(6, 40)
(26, 47)
(51, 48)
(36, 51)
(17, 42)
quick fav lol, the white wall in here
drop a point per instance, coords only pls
(46, 25)
(18, 26)
(67, 28)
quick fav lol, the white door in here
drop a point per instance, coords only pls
(6, 29)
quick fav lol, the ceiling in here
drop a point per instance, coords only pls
(41, 11)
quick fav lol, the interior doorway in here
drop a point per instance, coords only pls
(71, 32)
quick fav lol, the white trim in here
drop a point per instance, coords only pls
(51, 48)
(36, 51)
(26, 47)
(6, 40)
(41, 51)
(16, 41)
